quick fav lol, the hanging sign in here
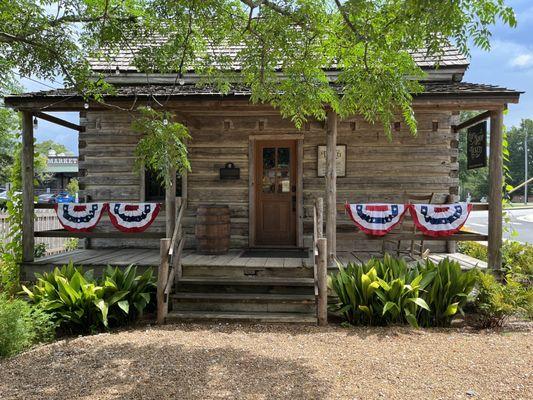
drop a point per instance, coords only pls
(476, 146)
(341, 160)
(132, 217)
(79, 217)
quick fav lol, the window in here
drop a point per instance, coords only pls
(154, 189)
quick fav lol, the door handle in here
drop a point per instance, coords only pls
(293, 203)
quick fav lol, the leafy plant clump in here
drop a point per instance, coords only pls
(388, 291)
(22, 325)
(497, 301)
(162, 148)
(81, 303)
(517, 258)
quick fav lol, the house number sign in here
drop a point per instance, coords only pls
(341, 160)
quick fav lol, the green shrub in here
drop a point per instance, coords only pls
(71, 244)
(137, 290)
(497, 301)
(39, 250)
(379, 292)
(389, 291)
(22, 325)
(447, 292)
(80, 303)
(474, 249)
(517, 258)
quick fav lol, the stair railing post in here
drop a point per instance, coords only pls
(162, 278)
(322, 275)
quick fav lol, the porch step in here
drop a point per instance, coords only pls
(248, 281)
(244, 302)
(299, 318)
(258, 297)
(240, 271)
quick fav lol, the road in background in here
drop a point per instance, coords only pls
(521, 221)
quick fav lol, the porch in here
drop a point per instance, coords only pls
(97, 259)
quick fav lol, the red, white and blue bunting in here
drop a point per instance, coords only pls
(133, 217)
(79, 217)
(440, 219)
(376, 219)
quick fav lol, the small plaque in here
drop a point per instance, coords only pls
(230, 172)
(341, 160)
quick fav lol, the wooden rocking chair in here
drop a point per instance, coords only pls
(407, 225)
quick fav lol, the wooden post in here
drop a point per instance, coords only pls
(495, 190)
(322, 278)
(162, 276)
(331, 185)
(28, 193)
(170, 205)
(320, 216)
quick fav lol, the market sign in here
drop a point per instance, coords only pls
(476, 146)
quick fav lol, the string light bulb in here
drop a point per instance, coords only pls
(35, 122)
(165, 121)
(86, 106)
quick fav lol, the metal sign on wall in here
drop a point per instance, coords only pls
(341, 160)
(476, 146)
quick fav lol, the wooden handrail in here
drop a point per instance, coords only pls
(318, 256)
(170, 264)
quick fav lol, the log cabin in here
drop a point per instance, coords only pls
(272, 192)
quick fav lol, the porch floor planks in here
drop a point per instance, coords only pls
(150, 257)
(274, 262)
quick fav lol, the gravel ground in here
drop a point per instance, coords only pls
(220, 361)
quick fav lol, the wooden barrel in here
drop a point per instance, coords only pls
(212, 229)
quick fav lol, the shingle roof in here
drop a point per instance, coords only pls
(123, 60)
(431, 88)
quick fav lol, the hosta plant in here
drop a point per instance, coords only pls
(379, 292)
(134, 291)
(81, 303)
(390, 291)
(447, 293)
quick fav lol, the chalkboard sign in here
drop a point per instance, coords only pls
(476, 146)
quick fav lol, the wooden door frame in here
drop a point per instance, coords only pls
(299, 138)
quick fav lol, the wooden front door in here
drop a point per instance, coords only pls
(275, 193)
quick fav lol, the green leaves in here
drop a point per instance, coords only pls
(283, 51)
(78, 302)
(162, 148)
(389, 291)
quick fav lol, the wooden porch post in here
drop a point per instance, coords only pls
(331, 185)
(170, 205)
(495, 189)
(28, 192)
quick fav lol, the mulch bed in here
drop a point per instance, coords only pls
(237, 361)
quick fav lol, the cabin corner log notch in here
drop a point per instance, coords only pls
(28, 191)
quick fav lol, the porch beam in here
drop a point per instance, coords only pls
(331, 185)
(59, 121)
(472, 121)
(28, 192)
(495, 190)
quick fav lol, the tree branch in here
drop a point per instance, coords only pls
(346, 19)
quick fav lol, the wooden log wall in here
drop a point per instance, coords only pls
(378, 169)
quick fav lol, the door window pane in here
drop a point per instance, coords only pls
(268, 183)
(284, 178)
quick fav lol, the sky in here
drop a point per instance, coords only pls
(508, 64)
